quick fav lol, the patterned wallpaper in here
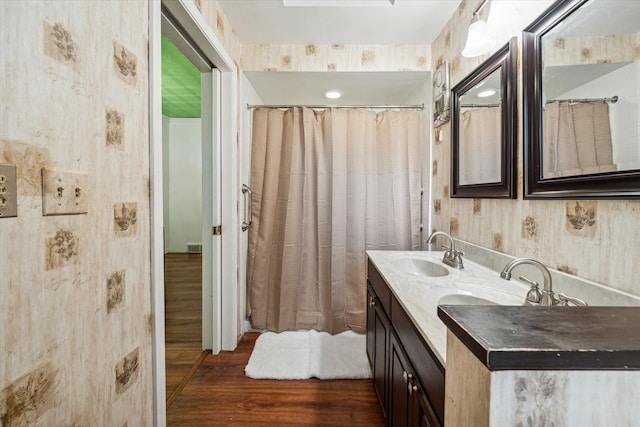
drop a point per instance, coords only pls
(75, 328)
(596, 240)
(215, 17)
(336, 57)
(313, 57)
(572, 50)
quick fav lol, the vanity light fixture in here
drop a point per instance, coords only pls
(332, 94)
(479, 40)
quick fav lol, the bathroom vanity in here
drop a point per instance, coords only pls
(407, 377)
(406, 342)
(502, 360)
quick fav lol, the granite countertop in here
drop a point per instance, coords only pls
(567, 338)
(419, 294)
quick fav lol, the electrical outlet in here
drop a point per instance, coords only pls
(8, 191)
(64, 193)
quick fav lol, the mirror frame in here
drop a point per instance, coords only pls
(505, 59)
(607, 185)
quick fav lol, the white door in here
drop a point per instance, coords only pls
(211, 212)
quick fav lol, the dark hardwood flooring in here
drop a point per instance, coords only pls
(212, 390)
(183, 316)
(219, 394)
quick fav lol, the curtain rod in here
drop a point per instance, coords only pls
(612, 100)
(479, 105)
(419, 107)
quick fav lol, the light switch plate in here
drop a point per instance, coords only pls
(64, 193)
(8, 191)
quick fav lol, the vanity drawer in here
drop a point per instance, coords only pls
(380, 287)
(427, 367)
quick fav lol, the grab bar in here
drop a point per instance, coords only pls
(247, 207)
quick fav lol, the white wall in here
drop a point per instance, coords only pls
(248, 95)
(423, 95)
(183, 191)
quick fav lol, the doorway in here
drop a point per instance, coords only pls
(182, 184)
(219, 192)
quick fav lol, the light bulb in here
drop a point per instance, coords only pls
(332, 94)
(486, 93)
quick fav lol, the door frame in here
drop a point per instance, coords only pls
(225, 291)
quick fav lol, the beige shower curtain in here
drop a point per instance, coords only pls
(326, 187)
(577, 139)
(480, 146)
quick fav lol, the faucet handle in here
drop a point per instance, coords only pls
(532, 283)
(564, 299)
(534, 296)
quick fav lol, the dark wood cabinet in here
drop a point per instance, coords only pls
(425, 415)
(400, 377)
(378, 347)
(407, 377)
(408, 404)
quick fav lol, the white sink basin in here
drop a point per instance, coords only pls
(421, 267)
(464, 299)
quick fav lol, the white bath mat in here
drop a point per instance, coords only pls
(300, 355)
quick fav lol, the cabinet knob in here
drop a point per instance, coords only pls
(372, 301)
(405, 377)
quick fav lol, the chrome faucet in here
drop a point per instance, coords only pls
(546, 296)
(535, 296)
(452, 257)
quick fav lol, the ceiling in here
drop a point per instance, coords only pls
(564, 78)
(359, 88)
(473, 96)
(340, 22)
(180, 83)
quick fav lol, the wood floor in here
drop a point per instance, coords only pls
(183, 315)
(217, 393)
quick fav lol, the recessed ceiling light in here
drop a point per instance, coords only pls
(337, 3)
(486, 93)
(332, 94)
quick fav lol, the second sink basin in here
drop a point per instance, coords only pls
(464, 299)
(421, 267)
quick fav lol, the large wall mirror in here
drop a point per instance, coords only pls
(484, 129)
(581, 76)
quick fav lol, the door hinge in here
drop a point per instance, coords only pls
(217, 230)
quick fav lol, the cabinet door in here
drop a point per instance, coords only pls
(400, 376)
(424, 413)
(371, 330)
(378, 329)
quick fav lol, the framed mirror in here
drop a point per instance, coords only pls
(484, 129)
(581, 89)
